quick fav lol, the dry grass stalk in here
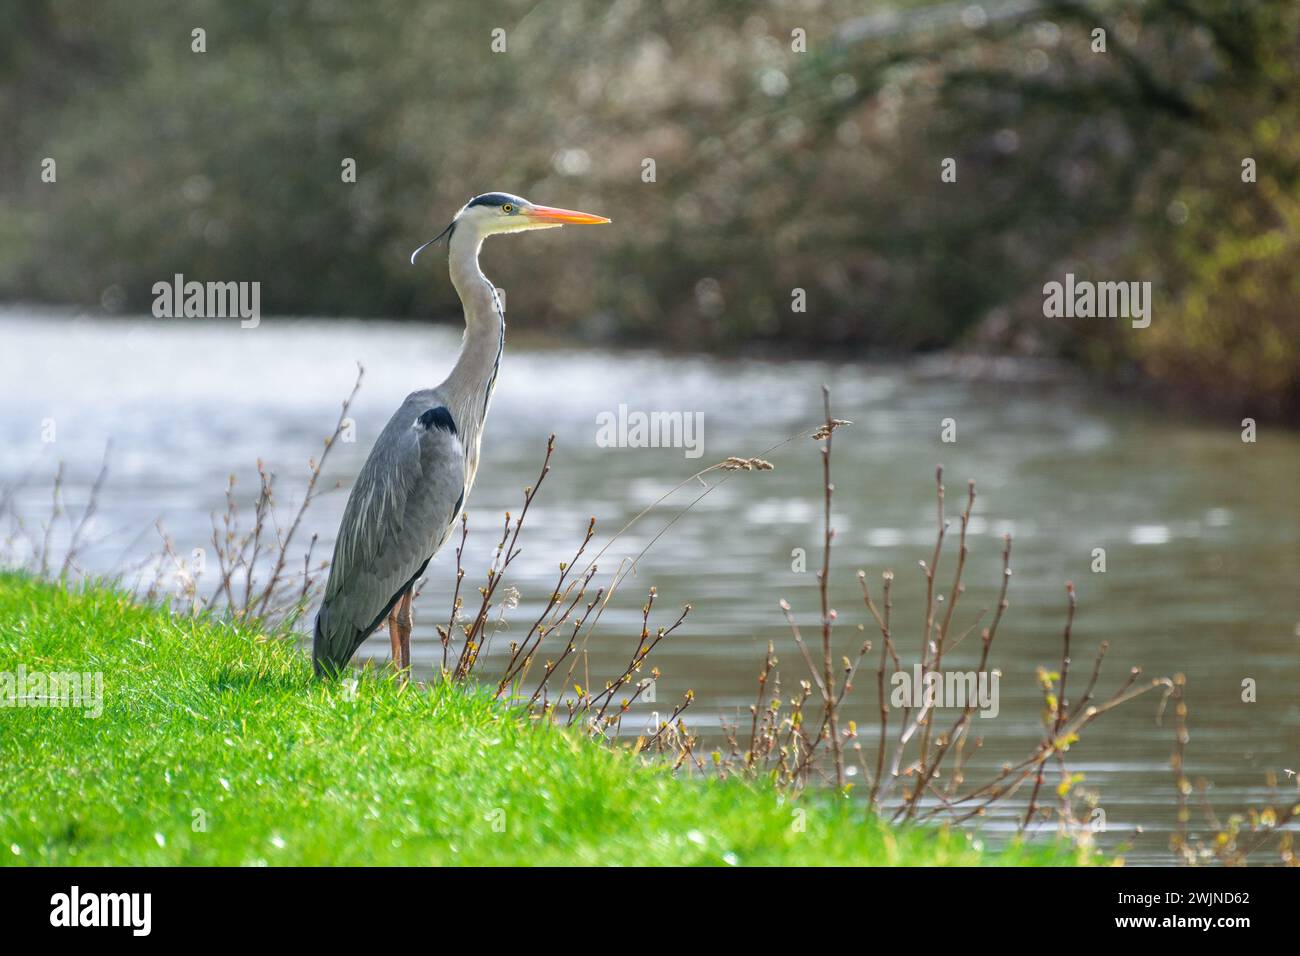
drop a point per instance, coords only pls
(785, 746)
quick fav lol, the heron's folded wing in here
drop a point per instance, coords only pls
(400, 511)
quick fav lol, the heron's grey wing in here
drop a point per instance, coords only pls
(399, 512)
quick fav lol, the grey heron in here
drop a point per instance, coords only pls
(417, 477)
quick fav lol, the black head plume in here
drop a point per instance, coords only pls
(446, 232)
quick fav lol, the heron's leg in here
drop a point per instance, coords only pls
(393, 636)
(405, 621)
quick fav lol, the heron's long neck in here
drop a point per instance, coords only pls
(472, 379)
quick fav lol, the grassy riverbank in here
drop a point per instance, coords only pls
(215, 746)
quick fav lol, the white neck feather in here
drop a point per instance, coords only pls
(468, 389)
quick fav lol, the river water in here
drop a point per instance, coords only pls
(1200, 530)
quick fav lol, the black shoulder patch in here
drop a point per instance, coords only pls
(438, 417)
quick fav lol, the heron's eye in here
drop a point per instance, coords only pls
(507, 207)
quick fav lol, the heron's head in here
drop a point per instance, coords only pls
(493, 213)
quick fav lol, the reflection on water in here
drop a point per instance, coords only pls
(1199, 529)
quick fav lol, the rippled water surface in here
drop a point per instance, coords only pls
(1200, 530)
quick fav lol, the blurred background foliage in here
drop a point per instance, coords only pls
(774, 169)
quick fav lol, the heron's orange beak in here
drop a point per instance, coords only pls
(561, 216)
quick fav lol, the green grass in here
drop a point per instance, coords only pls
(205, 723)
